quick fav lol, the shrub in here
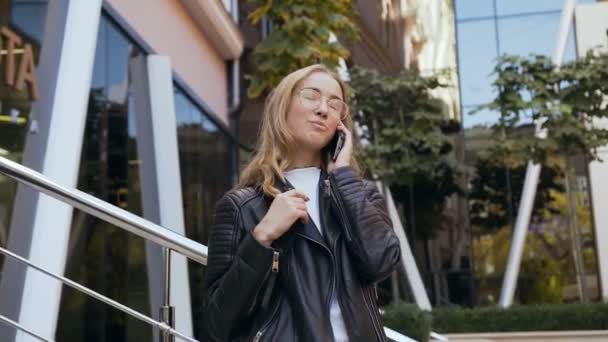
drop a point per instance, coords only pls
(409, 320)
(522, 318)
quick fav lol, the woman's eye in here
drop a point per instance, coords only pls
(337, 106)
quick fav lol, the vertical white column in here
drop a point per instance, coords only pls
(409, 263)
(526, 204)
(40, 227)
(161, 180)
(591, 22)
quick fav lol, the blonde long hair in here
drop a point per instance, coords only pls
(276, 141)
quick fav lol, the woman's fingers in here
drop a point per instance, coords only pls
(296, 193)
(303, 215)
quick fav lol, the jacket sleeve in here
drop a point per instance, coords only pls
(236, 268)
(370, 238)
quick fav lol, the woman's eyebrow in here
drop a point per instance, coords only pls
(332, 96)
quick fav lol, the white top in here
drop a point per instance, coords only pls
(307, 181)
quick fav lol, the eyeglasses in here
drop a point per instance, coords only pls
(311, 98)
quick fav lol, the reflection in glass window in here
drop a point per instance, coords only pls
(15, 105)
(510, 7)
(101, 256)
(529, 35)
(476, 56)
(206, 175)
(514, 7)
(29, 17)
(466, 9)
(547, 271)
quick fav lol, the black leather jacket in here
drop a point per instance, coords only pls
(283, 293)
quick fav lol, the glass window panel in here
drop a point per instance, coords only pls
(466, 9)
(570, 53)
(182, 110)
(528, 35)
(118, 58)
(15, 106)
(99, 67)
(204, 166)
(103, 257)
(511, 7)
(476, 56)
(29, 18)
(548, 271)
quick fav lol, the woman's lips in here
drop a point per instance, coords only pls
(318, 125)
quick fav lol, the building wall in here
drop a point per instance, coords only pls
(193, 56)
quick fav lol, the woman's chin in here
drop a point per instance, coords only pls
(311, 144)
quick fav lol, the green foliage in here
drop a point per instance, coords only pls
(405, 127)
(496, 188)
(565, 101)
(300, 36)
(408, 143)
(409, 320)
(522, 318)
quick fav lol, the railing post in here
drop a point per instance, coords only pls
(167, 312)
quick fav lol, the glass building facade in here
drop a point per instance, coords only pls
(26, 20)
(486, 30)
(101, 256)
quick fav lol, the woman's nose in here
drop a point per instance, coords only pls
(322, 109)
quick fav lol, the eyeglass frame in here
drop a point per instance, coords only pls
(344, 113)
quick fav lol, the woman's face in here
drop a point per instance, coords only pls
(312, 114)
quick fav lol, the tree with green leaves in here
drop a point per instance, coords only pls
(565, 102)
(406, 143)
(299, 36)
(496, 188)
(409, 145)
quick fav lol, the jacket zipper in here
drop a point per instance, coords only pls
(274, 269)
(275, 262)
(347, 230)
(261, 332)
(375, 322)
(332, 285)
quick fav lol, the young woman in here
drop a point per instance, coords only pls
(296, 250)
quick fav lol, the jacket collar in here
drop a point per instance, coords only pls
(308, 230)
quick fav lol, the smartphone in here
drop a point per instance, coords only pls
(335, 145)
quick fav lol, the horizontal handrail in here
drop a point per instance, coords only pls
(18, 326)
(105, 211)
(133, 313)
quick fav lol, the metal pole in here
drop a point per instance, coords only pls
(532, 174)
(18, 326)
(167, 312)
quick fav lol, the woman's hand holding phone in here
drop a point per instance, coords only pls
(285, 209)
(345, 153)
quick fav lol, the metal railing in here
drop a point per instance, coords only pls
(121, 218)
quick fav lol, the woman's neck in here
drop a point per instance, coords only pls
(303, 159)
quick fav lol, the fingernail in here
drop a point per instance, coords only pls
(307, 198)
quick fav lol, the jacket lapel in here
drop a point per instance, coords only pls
(309, 230)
